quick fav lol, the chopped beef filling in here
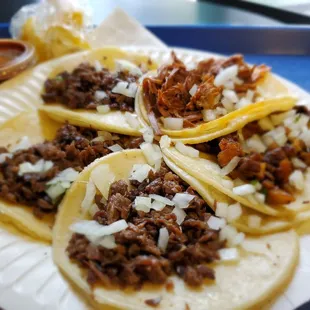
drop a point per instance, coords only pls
(72, 147)
(271, 168)
(137, 259)
(168, 94)
(77, 90)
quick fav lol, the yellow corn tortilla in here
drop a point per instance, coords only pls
(277, 99)
(208, 172)
(112, 121)
(252, 280)
(37, 127)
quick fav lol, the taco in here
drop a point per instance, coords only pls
(39, 160)
(96, 87)
(264, 166)
(130, 237)
(245, 219)
(218, 95)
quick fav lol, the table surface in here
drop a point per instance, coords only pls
(162, 12)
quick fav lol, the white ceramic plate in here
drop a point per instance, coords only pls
(28, 277)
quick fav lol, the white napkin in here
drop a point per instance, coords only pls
(119, 29)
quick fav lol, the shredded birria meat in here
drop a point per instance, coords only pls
(73, 147)
(87, 88)
(181, 93)
(137, 258)
(274, 155)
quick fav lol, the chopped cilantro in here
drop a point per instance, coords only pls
(297, 118)
(254, 182)
(265, 191)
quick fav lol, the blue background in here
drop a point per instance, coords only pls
(285, 49)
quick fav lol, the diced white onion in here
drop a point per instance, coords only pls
(229, 85)
(230, 254)
(227, 183)
(232, 236)
(107, 242)
(89, 195)
(65, 184)
(140, 172)
(230, 95)
(234, 212)
(193, 90)
(220, 111)
(254, 221)
(98, 139)
(126, 89)
(93, 209)
(100, 94)
(260, 197)
(157, 205)
(230, 166)
(243, 102)
(132, 120)
(294, 134)
(221, 209)
(182, 200)
(209, 115)
(228, 233)
(56, 190)
(23, 144)
(297, 180)
(216, 223)
(98, 66)
(152, 153)
(277, 135)
(94, 229)
(227, 104)
(186, 150)
(305, 136)
(298, 163)
(238, 239)
(257, 185)
(115, 148)
(148, 134)
(297, 122)
(180, 214)
(103, 178)
(105, 135)
(265, 123)
(173, 123)
(163, 239)
(3, 157)
(143, 204)
(255, 144)
(249, 95)
(165, 142)
(125, 65)
(40, 166)
(278, 118)
(103, 109)
(67, 175)
(59, 184)
(226, 75)
(238, 81)
(162, 199)
(243, 190)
